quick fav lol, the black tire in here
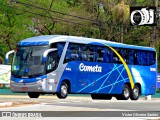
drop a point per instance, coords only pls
(101, 96)
(94, 96)
(125, 93)
(63, 93)
(33, 94)
(135, 93)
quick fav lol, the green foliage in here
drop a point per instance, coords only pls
(13, 27)
(106, 19)
(73, 2)
(121, 13)
(140, 0)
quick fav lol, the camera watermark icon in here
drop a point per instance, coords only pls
(6, 114)
(143, 16)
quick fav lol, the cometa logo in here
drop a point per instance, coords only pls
(86, 68)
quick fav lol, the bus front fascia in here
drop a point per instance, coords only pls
(7, 55)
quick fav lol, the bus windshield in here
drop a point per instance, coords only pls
(27, 62)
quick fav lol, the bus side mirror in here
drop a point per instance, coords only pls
(7, 56)
(45, 54)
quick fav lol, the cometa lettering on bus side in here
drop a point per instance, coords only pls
(86, 68)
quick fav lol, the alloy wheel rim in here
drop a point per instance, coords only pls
(126, 93)
(136, 93)
(63, 90)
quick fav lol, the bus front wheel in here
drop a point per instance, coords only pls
(135, 93)
(63, 93)
(33, 94)
(125, 93)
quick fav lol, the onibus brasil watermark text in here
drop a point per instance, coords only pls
(21, 114)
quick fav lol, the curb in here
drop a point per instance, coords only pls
(6, 104)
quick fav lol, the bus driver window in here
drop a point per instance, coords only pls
(51, 61)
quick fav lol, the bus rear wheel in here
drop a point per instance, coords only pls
(101, 96)
(125, 93)
(33, 94)
(135, 93)
(63, 91)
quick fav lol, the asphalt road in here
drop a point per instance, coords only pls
(50, 103)
(77, 106)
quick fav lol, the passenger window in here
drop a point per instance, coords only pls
(72, 52)
(150, 58)
(138, 58)
(110, 55)
(100, 54)
(123, 53)
(91, 53)
(84, 52)
(115, 57)
(60, 47)
(145, 58)
(105, 55)
(130, 57)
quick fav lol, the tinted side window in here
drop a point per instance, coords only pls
(93, 53)
(138, 58)
(100, 54)
(72, 52)
(145, 58)
(59, 46)
(83, 52)
(130, 56)
(103, 54)
(110, 55)
(106, 55)
(52, 62)
(151, 58)
(114, 57)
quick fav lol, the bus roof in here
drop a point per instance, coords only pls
(48, 39)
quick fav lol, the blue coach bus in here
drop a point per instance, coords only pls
(56, 64)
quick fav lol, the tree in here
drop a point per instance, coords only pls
(13, 26)
(105, 19)
(121, 15)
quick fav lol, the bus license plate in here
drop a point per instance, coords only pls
(24, 88)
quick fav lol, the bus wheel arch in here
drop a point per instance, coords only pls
(135, 92)
(64, 89)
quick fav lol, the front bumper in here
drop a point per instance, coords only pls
(39, 86)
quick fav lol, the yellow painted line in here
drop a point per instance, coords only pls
(125, 65)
